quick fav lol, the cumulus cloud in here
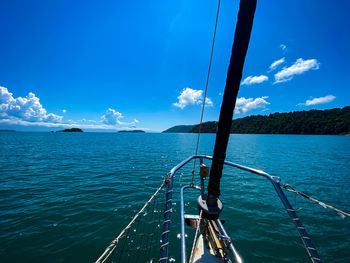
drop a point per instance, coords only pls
(208, 102)
(190, 96)
(299, 67)
(109, 121)
(275, 64)
(28, 111)
(112, 117)
(244, 105)
(315, 101)
(254, 79)
(69, 124)
(28, 108)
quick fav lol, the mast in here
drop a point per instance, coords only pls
(234, 75)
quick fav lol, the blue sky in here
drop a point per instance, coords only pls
(109, 65)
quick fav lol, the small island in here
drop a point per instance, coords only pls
(72, 130)
(140, 131)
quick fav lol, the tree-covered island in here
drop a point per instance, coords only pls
(333, 122)
(72, 130)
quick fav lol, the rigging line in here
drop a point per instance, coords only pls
(289, 188)
(206, 87)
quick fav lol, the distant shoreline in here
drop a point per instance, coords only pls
(7, 130)
(89, 132)
(313, 122)
(133, 131)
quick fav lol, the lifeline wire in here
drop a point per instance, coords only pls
(206, 87)
(289, 188)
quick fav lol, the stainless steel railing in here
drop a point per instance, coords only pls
(275, 183)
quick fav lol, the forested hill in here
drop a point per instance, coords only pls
(180, 129)
(334, 121)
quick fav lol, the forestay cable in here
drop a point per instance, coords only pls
(206, 88)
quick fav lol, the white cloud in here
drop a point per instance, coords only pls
(244, 105)
(132, 123)
(112, 117)
(283, 47)
(275, 64)
(28, 108)
(254, 79)
(28, 111)
(71, 124)
(315, 101)
(208, 102)
(299, 67)
(16, 121)
(190, 96)
(83, 120)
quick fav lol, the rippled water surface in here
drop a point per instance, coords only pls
(65, 196)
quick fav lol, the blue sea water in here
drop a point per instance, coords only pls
(65, 196)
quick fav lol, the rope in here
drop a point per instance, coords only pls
(206, 88)
(109, 250)
(289, 188)
(195, 236)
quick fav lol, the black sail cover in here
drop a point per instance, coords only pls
(233, 80)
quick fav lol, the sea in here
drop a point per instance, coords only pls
(65, 196)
